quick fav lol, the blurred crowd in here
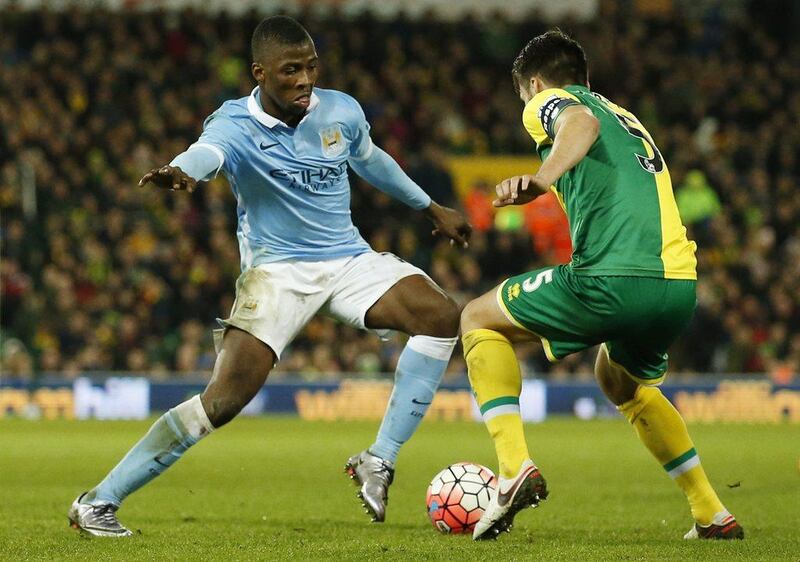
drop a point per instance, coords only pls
(99, 275)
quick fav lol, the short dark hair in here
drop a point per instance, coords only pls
(279, 29)
(555, 57)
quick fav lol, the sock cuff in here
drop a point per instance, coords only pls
(193, 417)
(499, 406)
(474, 337)
(643, 396)
(682, 463)
(430, 346)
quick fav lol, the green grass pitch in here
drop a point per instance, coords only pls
(273, 489)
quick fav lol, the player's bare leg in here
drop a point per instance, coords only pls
(241, 368)
(662, 430)
(240, 371)
(495, 377)
(416, 306)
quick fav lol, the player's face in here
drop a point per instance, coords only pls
(287, 75)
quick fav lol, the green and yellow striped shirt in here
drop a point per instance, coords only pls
(622, 213)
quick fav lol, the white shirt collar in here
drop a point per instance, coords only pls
(254, 107)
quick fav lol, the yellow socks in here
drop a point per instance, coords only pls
(662, 430)
(495, 377)
(497, 382)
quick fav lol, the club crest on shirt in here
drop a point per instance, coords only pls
(333, 142)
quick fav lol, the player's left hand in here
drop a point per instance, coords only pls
(450, 223)
(519, 190)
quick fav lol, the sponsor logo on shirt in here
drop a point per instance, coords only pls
(313, 180)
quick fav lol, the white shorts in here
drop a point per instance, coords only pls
(274, 301)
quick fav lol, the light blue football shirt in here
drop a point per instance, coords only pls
(290, 183)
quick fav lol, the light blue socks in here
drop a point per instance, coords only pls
(416, 379)
(168, 438)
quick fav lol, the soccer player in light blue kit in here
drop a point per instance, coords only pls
(285, 150)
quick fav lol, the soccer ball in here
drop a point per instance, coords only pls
(458, 496)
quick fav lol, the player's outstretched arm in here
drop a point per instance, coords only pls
(199, 162)
(383, 172)
(575, 132)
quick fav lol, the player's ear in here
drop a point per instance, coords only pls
(257, 71)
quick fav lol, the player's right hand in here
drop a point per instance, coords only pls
(169, 177)
(518, 190)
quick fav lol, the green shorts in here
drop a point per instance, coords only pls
(637, 318)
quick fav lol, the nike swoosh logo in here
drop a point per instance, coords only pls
(263, 146)
(504, 497)
(415, 401)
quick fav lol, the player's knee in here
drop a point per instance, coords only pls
(618, 391)
(449, 315)
(615, 383)
(436, 318)
(223, 401)
(471, 317)
(222, 409)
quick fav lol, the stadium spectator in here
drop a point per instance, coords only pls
(548, 228)
(15, 361)
(697, 201)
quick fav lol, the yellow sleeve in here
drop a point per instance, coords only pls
(540, 114)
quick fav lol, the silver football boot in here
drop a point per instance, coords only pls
(97, 520)
(373, 475)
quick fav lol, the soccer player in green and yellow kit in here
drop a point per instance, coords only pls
(630, 286)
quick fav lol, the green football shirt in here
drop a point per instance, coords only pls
(622, 213)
